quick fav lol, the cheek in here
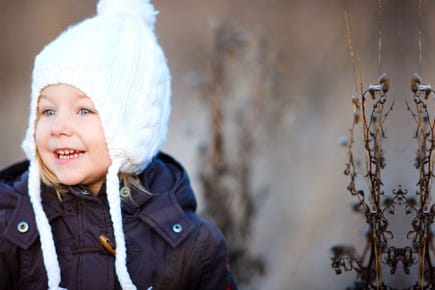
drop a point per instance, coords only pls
(41, 145)
(102, 151)
(41, 141)
(39, 135)
(99, 144)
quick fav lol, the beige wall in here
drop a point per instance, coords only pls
(298, 159)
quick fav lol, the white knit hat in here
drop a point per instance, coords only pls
(114, 58)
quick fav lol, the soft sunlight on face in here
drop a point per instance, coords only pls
(69, 137)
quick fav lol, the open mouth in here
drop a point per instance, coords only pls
(68, 154)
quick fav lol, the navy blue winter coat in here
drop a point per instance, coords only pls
(169, 247)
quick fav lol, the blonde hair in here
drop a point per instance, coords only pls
(50, 179)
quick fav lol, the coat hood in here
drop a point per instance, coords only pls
(165, 174)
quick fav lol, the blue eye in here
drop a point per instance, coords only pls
(85, 111)
(49, 112)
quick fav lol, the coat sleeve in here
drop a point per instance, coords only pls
(6, 253)
(216, 273)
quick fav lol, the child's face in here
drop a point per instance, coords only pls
(70, 138)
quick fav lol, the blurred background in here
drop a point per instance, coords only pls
(261, 96)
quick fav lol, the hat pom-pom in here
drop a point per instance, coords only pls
(140, 8)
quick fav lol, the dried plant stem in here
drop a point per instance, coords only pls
(216, 102)
(420, 54)
(230, 200)
(350, 46)
(422, 250)
(379, 36)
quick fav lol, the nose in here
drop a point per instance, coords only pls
(61, 126)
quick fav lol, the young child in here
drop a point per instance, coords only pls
(97, 206)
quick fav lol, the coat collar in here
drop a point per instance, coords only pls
(21, 227)
(169, 210)
(164, 214)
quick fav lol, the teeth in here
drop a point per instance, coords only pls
(68, 154)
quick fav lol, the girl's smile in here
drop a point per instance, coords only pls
(69, 137)
(68, 154)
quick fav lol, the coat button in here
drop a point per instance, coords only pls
(23, 227)
(125, 192)
(177, 228)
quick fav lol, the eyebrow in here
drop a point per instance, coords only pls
(80, 95)
(43, 98)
